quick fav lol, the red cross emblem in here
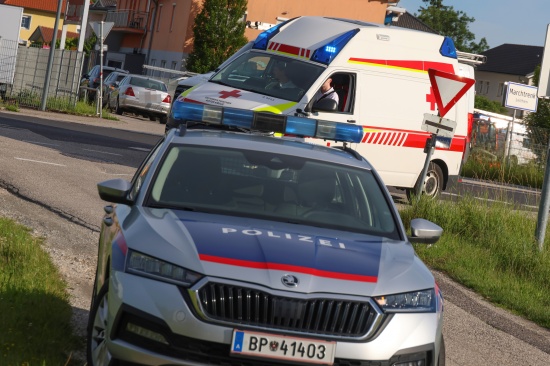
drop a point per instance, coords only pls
(224, 94)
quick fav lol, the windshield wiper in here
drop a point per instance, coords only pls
(220, 83)
(173, 207)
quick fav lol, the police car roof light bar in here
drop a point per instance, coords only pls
(325, 54)
(264, 121)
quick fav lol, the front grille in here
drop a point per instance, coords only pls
(216, 354)
(339, 318)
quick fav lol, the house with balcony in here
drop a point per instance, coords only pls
(159, 33)
(38, 13)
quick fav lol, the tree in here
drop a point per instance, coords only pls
(219, 33)
(70, 43)
(484, 103)
(452, 23)
(89, 44)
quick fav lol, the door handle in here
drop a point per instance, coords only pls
(351, 120)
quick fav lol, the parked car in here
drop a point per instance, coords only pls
(109, 84)
(141, 95)
(233, 247)
(92, 79)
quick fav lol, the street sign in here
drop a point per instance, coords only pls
(521, 96)
(96, 27)
(448, 89)
(438, 126)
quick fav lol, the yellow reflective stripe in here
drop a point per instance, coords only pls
(186, 92)
(277, 109)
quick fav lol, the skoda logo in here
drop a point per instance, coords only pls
(290, 280)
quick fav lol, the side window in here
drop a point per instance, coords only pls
(143, 171)
(344, 87)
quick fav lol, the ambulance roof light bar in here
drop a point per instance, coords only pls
(448, 48)
(267, 122)
(325, 54)
(262, 41)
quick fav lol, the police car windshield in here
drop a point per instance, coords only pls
(271, 75)
(273, 187)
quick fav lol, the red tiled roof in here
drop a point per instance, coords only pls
(46, 34)
(44, 5)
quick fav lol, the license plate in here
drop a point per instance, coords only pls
(255, 344)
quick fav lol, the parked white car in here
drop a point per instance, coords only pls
(141, 95)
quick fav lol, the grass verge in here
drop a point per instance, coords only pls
(60, 105)
(35, 314)
(491, 249)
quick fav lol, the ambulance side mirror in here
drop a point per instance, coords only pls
(325, 105)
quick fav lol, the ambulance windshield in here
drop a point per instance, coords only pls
(268, 74)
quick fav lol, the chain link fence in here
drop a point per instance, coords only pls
(23, 72)
(503, 138)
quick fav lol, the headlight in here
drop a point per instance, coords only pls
(144, 265)
(411, 302)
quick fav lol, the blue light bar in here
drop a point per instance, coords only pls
(448, 48)
(263, 38)
(328, 52)
(267, 122)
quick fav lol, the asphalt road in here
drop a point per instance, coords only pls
(49, 171)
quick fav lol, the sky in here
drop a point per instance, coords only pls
(500, 21)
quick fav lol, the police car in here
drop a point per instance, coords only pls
(233, 247)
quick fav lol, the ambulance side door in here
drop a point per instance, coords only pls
(344, 84)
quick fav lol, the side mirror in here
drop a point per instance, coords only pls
(115, 191)
(325, 105)
(116, 84)
(424, 232)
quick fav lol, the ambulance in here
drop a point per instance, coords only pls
(380, 75)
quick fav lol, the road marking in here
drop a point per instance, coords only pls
(38, 161)
(102, 152)
(39, 143)
(140, 148)
(450, 194)
(491, 200)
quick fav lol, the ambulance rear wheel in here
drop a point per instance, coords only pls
(433, 183)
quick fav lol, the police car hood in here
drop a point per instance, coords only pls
(227, 96)
(277, 255)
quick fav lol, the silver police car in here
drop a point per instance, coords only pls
(231, 246)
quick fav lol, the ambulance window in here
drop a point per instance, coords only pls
(344, 86)
(272, 75)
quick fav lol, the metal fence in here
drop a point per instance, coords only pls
(29, 68)
(505, 138)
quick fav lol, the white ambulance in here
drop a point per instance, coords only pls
(380, 75)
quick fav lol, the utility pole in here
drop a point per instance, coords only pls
(50, 58)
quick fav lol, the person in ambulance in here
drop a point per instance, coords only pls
(327, 91)
(282, 80)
